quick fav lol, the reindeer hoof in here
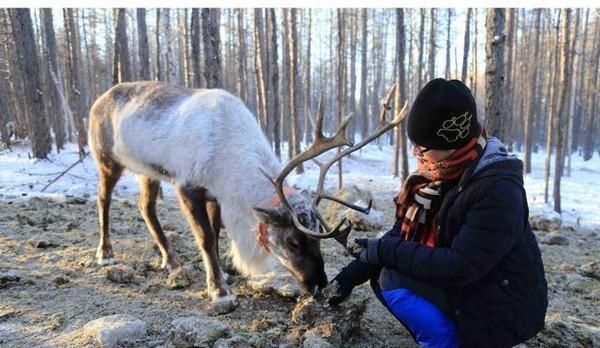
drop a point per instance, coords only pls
(223, 305)
(105, 255)
(107, 261)
(170, 264)
(178, 279)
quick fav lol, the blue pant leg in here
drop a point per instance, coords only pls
(428, 325)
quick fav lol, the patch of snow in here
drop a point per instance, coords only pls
(368, 168)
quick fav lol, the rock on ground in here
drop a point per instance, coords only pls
(280, 283)
(233, 342)
(41, 243)
(115, 330)
(374, 221)
(313, 340)
(178, 279)
(8, 277)
(334, 212)
(545, 220)
(563, 332)
(196, 331)
(555, 238)
(334, 325)
(120, 274)
(590, 270)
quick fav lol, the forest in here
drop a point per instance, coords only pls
(533, 73)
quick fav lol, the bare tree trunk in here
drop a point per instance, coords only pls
(259, 68)
(448, 43)
(57, 116)
(474, 70)
(571, 101)
(169, 60)
(14, 81)
(159, 75)
(340, 77)
(5, 132)
(122, 68)
(421, 68)
(294, 79)
(242, 57)
(212, 47)
(432, 38)
(410, 91)
(74, 81)
(375, 90)
(528, 136)
(588, 144)
(285, 72)
(274, 81)
(39, 132)
(195, 38)
(364, 114)
(494, 87)
(565, 83)
(88, 92)
(553, 110)
(466, 46)
(143, 43)
(187, 64)
(508, 87)
(524, 51)
(307, 85)
(579, 91)
(351, 74)
(400, 98)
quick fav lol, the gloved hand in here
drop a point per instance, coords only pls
(365, 250)
(338, 289)
(358, 248)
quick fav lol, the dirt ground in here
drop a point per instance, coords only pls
(50, 245)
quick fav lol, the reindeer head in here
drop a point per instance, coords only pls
(297, 251)
(293, 228)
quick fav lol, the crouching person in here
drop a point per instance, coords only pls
(460, 267)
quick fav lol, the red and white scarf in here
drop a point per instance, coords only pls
(421, 196)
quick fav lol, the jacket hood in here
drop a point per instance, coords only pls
(496, 161)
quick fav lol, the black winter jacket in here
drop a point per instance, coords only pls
(488, 260)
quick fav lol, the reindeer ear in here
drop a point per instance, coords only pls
(269, 216)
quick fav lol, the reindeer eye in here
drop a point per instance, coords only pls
(293, 245)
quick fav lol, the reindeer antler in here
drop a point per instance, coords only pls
(322, 144)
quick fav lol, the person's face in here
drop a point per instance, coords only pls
(430, 155)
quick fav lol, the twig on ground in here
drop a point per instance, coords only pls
(65, 171)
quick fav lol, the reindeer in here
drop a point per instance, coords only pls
(209, 145)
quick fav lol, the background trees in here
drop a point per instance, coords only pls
(538, 91)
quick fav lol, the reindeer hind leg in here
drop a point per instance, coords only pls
(149, 190)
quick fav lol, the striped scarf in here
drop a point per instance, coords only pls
(421, 194)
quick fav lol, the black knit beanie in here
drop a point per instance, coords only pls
(443, 116)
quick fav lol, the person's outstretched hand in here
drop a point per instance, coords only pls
(338, 289)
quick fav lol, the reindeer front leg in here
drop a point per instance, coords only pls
(193, 205)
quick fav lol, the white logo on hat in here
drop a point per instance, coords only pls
(456, 128)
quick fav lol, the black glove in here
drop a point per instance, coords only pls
(365, 250)
(339, 289)
(358, 248)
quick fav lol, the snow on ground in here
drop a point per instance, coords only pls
(370, 167)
